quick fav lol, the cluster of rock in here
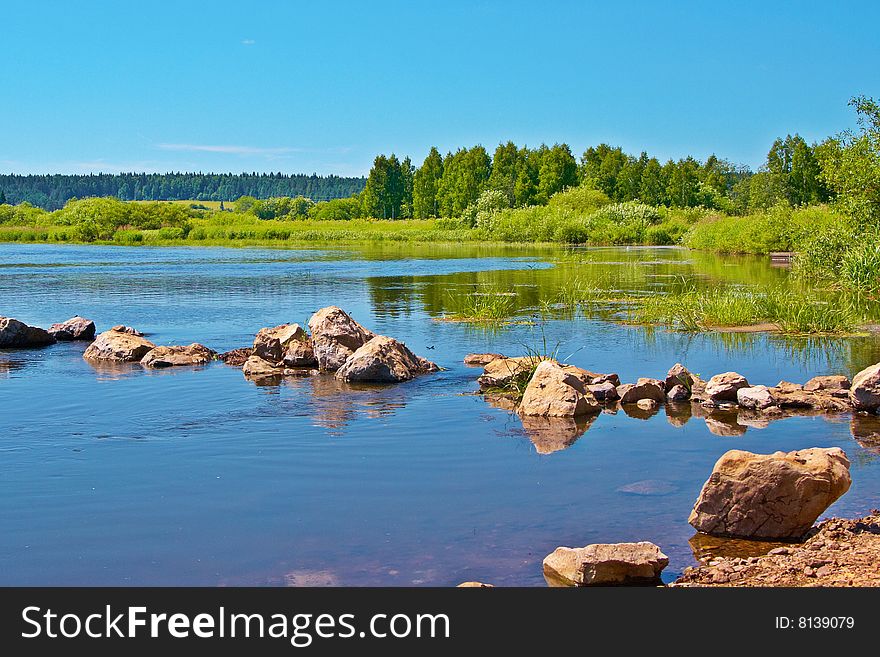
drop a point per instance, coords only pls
(337, 344)
(14, 333)
(123, 344)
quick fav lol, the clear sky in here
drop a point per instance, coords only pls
(324, 86)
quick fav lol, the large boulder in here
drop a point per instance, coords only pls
(75, 328)
(630, 393)
(864, 393)
(383, 360)
(770, 496)
(272, 343)
(603, 392)
(678, 375)
(553, 392)
(14, 333)
(723, 387)
(178, 356)
(604, 564)
(755, 398)
(335, 337)
(501, 371)
(793, 395)
(119, 346)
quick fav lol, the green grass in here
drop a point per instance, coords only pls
(482, 307)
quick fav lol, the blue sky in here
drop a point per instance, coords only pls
(324, 86)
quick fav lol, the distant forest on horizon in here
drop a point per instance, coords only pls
(52, 191)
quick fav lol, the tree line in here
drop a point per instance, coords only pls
(54, 190)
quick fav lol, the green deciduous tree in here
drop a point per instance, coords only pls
(426, 182)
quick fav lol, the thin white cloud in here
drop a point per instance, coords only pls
(226, 148)
(247, 42)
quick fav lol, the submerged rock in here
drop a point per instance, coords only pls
(120, 346)
(14, 333)
(554, 392)
(75, 328)
(630, 393)
(604, 564)
(865, 390)
(178, 356)
(122, 328)
(481, 359)
(723, 387)
(335, 337)
(383, 360)
(770, 496)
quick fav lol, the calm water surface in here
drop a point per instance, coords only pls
(202, 477)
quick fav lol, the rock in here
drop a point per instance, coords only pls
(591, 378)
(122, 328)
(118, 346)
(678, 393)
(75, 328)
(271, 343)
(648, 487)
(723, 387)
(335, 337)
(647, 404)
(255, 368)
(383, 360)
(14, 333)
(678, 375)
(865, 390)
(300, 354)
(236, 357)
(792, 395)
(604, 564)
(553, 392)
(770, 496)
(500, 372)
(603, 391)
(481, 359)
(835, 385)
(754, 397)
(178, 356)
(630, 393)
(475, 585)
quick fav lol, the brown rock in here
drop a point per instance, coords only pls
(271, 343)
(654, 389)
(553, 392)
(603, 391)
(792, 395)
(647, 404)
(335, 337)
(723, 387)
(755, 397)
(678, 375)
(118, 346)
(383, 360)
(75, 328)
(481, 360)
(255, 368)
(500, 372)
(14, 333)
(830, 384)
(236, 357)
(770, 496)
(475, 585)
(678, 393)
(865, 390)
(604, 564)
(300, 354)
(122, 328)
(591, 378)
(178, 356)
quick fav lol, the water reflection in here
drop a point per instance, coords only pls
(552, 434)
(706, 548)
(9, 364)
(866, 431)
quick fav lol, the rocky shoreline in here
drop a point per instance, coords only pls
(757, 497)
